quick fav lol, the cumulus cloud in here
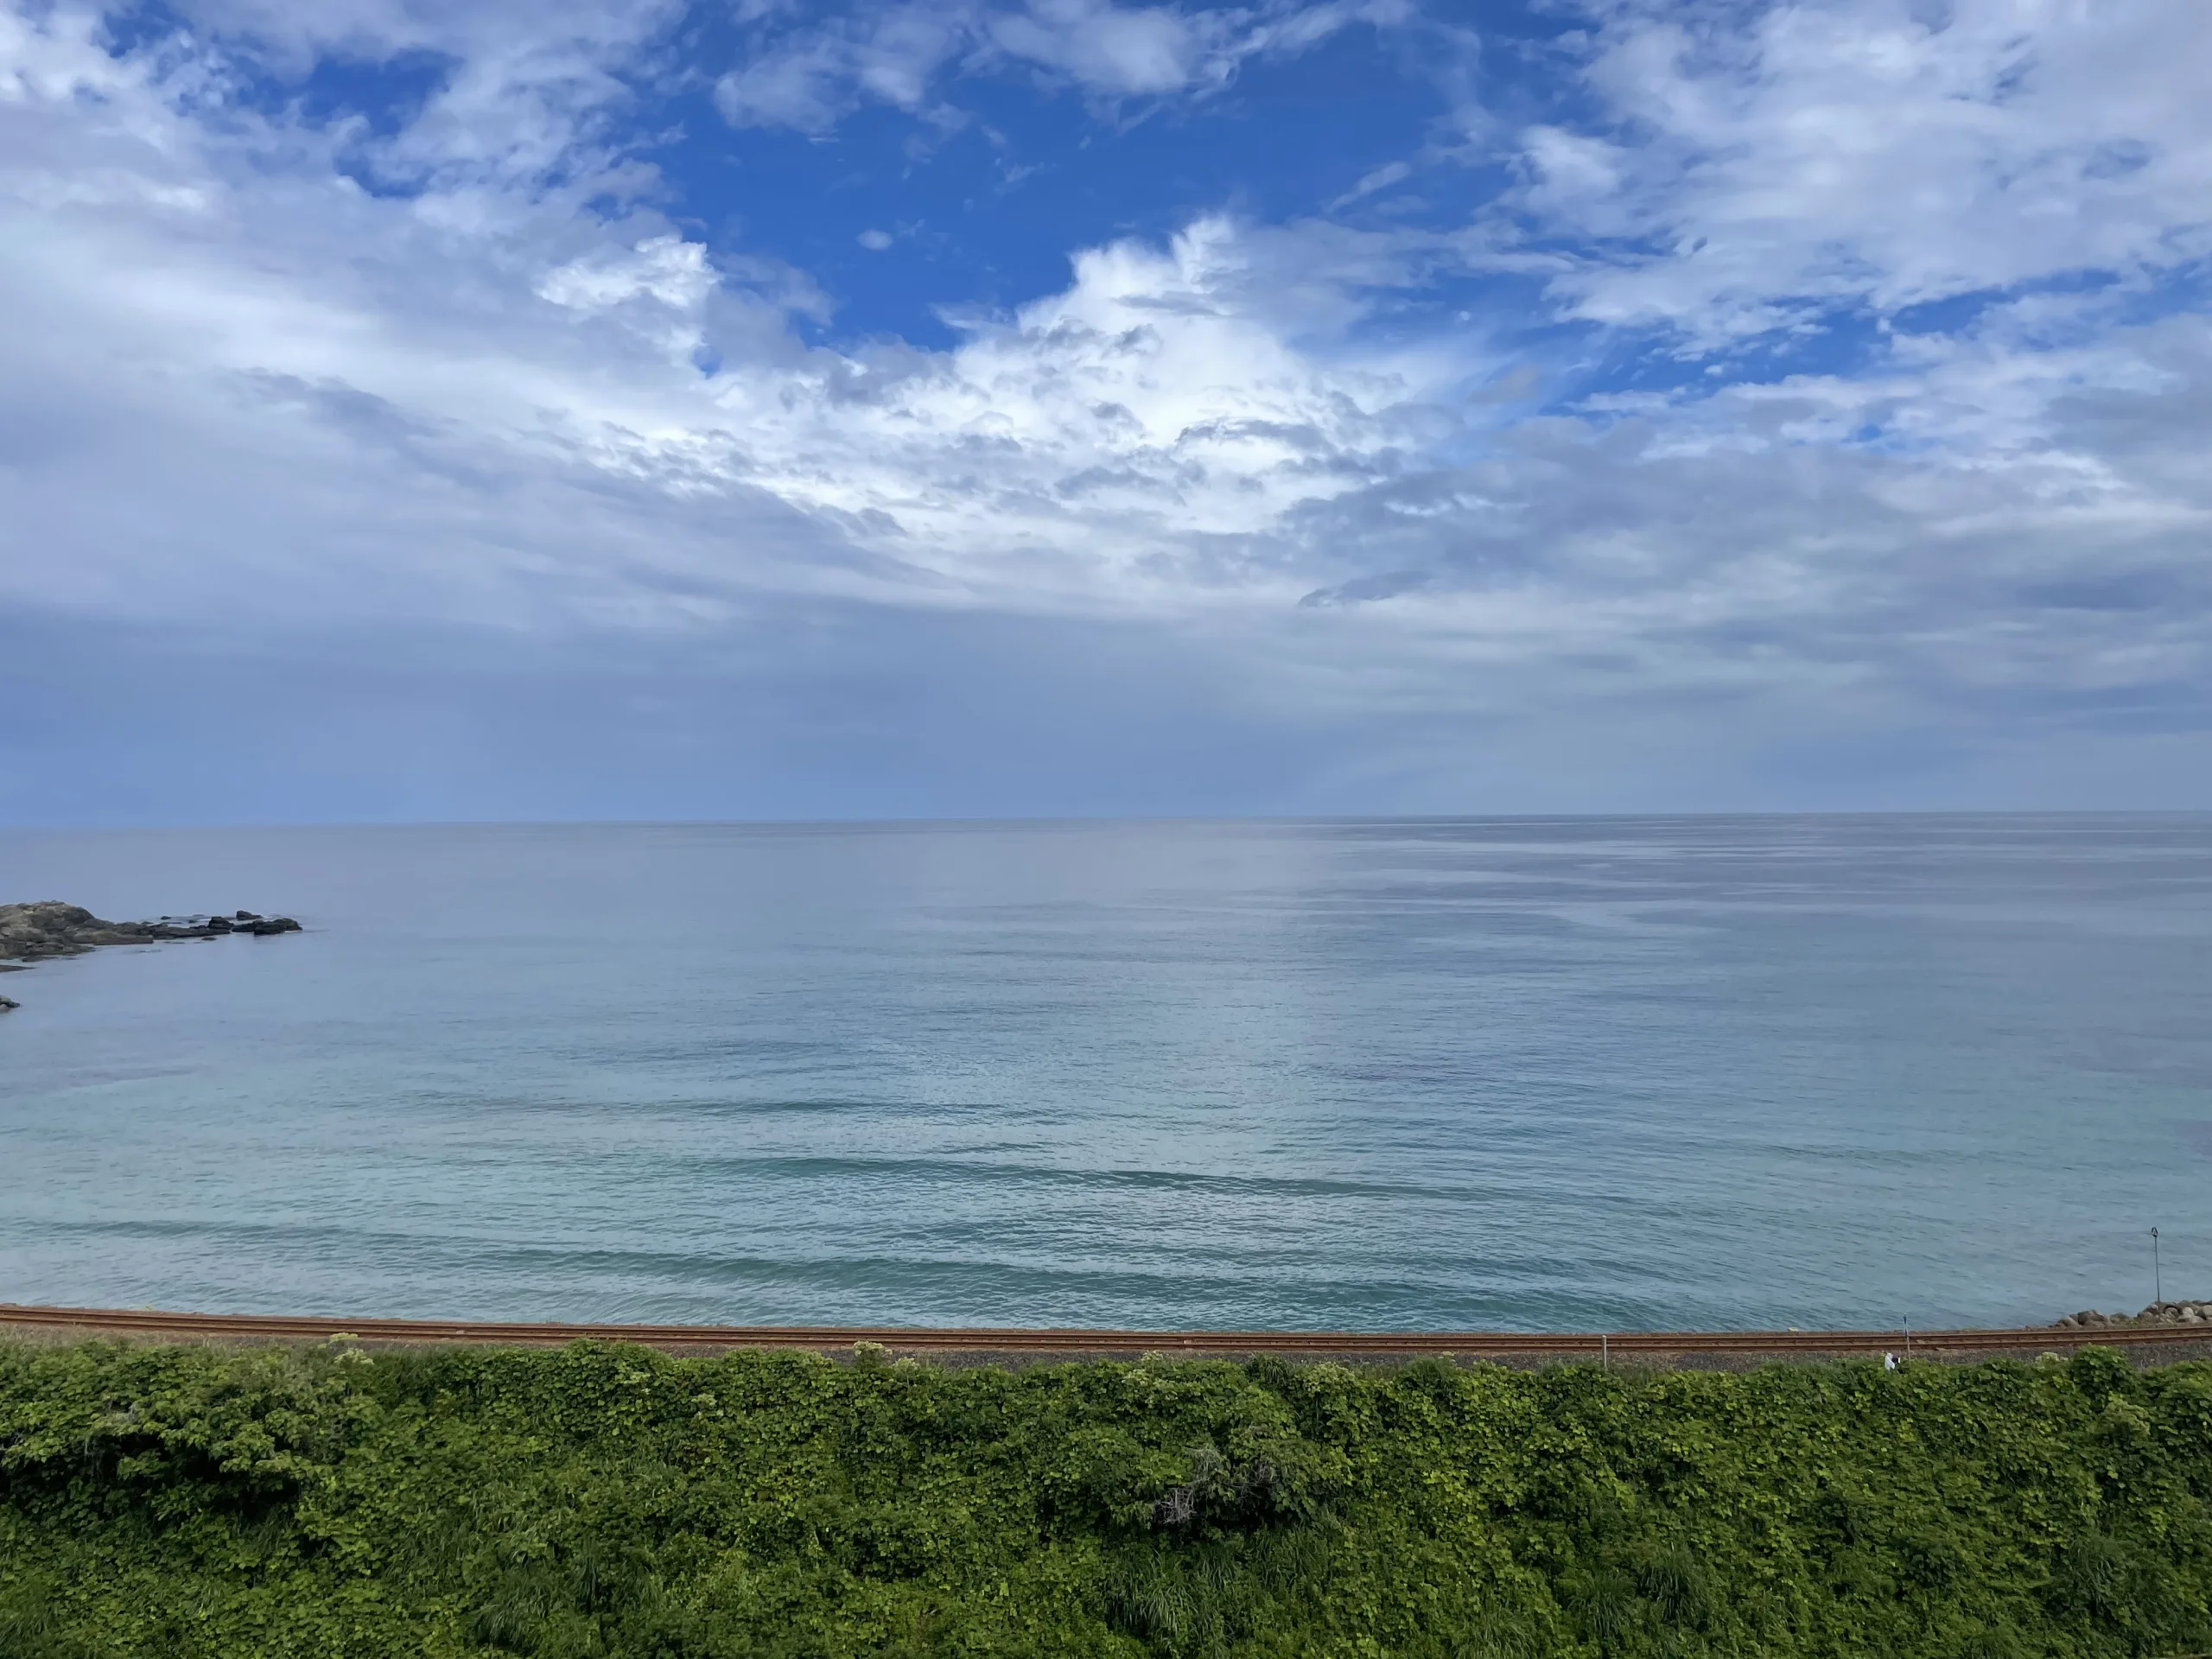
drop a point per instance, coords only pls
(1121, 442)
(1127, 439)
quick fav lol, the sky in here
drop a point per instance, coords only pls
(436, 410)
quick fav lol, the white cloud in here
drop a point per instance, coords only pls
(1749, 173)
(1108, 440)
(810, 77)
(663, 268)
(1120, 50)
(237, 385)
(1093, 449)
(809, 85)
(670, 273)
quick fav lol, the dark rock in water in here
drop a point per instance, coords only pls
(35, 932)
(246, 916)
(8, 1002)
(220, 924)
(274, 925)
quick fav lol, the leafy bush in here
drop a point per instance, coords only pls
(610, 1501)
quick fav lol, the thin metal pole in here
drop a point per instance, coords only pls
(2157, 1281)
(1907, 1336)
(1605, 1351)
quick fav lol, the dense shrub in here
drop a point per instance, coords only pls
(611, 1501)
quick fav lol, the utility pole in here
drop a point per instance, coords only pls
(2157, 1281)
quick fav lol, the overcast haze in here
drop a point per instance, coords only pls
(531, 409)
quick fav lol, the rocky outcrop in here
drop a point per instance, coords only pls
(37, 932)
(2157, 1314)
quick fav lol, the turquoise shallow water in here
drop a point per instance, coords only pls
(1559, 1073)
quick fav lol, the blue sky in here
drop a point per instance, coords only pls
(970, 407)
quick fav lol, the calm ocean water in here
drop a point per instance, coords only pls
(1557, 1073)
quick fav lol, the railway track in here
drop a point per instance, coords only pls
(145, 1325)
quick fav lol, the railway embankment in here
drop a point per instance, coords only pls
(601, 1497)
(2144, 1340)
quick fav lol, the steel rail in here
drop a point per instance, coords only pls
(149, 1325)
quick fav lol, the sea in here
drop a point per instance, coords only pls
(1436, 1074)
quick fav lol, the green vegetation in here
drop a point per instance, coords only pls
(611, 1501)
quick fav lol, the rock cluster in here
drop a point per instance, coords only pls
(2157, 1314)
(243, 921)
(35, 932)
